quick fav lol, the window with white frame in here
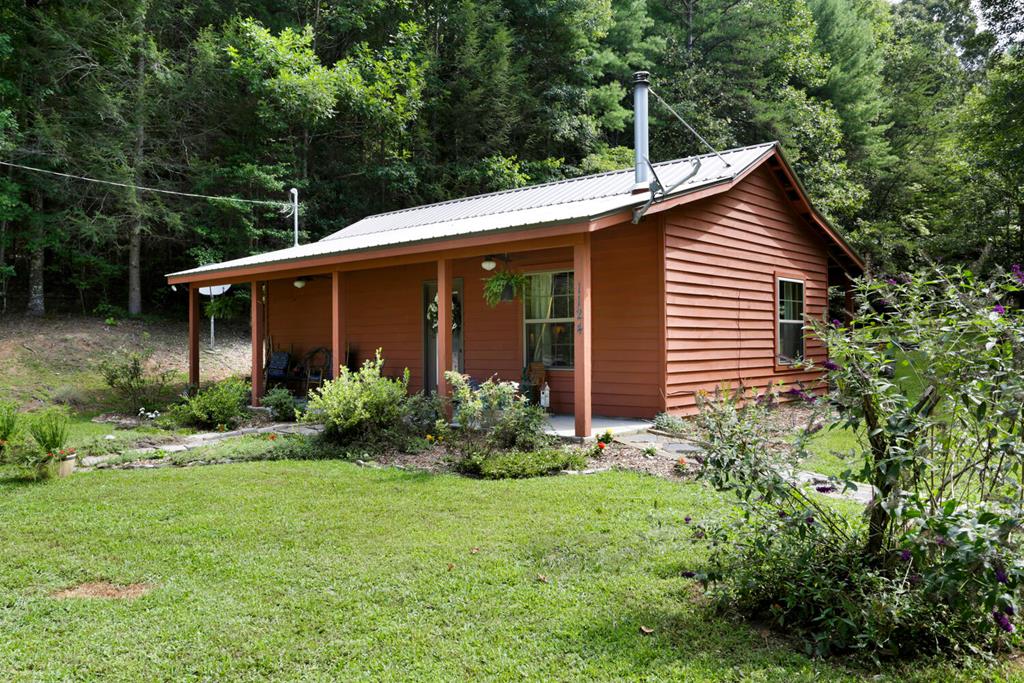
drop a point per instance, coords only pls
(791, 321)
(548, 319)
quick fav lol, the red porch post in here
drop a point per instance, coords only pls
(256, 298)
(444, 324)
(338, 345)
(193, 337)
(581, 337)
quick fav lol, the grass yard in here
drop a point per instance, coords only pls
(328, 571)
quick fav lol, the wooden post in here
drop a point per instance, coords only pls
(444, 324)
(193, 338)
(339, 349)
(582, 366)
(256, 297)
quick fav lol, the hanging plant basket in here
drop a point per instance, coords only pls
(503, 286)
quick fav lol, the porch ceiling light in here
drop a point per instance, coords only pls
(489, 264)
(299, 283)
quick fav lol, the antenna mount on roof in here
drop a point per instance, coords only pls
(690, 128)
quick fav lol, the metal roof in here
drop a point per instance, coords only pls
(557, 202)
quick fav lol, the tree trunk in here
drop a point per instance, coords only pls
(37, 261)
(3, 262)
(137, 226)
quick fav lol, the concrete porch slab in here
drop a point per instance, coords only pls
(564, 426)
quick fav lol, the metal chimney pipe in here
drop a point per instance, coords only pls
(641, 83)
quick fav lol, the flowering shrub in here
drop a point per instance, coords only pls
(495, 416)
(932, 372)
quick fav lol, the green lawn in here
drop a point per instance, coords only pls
(324, 570)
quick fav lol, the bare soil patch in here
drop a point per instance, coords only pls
(105, 590)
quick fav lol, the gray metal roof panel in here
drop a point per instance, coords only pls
(556, 202)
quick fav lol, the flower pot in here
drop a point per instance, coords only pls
(508, 292)
(66, 466)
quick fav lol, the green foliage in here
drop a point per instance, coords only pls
(281, 403)
(522, 464)
(672, 424)
(49, 430)
(220, 405)
(494, 417)
(127, 373)
(931, 371)
(362, 406)
(421, 411)
(8, 420)
(495, 285)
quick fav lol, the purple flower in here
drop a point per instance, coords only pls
(836, 322)
(915, 579)
(830, 364)
(1018, 273)
(809, 519)
(1009, 610)
(825, 488)
(1001, 575)
(689, 575)
(1002, 621)
(941, 540)
(1000, 309)
(687, 519)
(891, 281)
(906, 555)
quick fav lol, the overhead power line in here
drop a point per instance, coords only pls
(264, 202)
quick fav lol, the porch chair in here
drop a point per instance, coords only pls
(318, 367)
(277, 370)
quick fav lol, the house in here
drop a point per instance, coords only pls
(643, 286)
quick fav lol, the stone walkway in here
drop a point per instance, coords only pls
(191, 441)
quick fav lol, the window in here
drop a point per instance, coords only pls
(548, 311)
(791, 321)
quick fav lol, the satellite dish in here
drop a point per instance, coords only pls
(215, 290)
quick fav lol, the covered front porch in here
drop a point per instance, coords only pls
(599, 339)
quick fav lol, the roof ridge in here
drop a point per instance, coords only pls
(337, 233)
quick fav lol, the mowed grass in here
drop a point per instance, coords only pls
(328, 571)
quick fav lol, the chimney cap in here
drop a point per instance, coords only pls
(642, 77)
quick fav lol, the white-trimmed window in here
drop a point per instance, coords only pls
(548, 319)
(791, 321)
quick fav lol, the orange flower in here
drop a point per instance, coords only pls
(681, 461)
(272, 436)
(601, 445)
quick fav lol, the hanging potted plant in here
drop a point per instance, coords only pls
(503, 286)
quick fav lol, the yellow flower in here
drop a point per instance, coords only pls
(430, 437)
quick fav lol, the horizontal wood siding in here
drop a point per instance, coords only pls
(627, 366)
(721, 259)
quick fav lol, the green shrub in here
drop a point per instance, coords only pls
(281, 403)
(672, 424)
(495, 416)
(361, 406)
(521, 464)
(220, 404)
(49, 429)
(127, 374)
(932, 372)
(9, 424)
(421, 411)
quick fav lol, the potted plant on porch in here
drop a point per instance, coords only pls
(503, 286)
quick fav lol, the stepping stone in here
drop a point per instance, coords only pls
(682, 447)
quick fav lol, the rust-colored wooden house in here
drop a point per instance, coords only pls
(637, 298)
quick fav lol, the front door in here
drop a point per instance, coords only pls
(430, 330)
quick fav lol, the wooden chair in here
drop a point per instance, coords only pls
(317, 364)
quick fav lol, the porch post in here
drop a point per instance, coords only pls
(582, 335)
(193, 338)
(256, 299)
(444, 324)
(338, 345)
